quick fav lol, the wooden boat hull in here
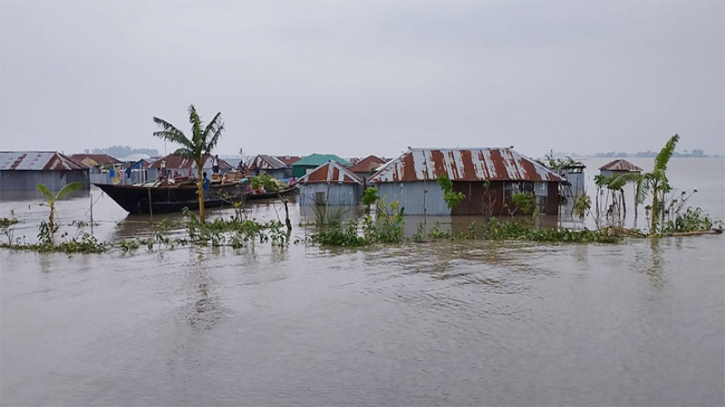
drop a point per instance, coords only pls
(167, 199)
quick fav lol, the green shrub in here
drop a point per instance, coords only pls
(524, 201)
(336, 235)
(692, 220)
(451, 197)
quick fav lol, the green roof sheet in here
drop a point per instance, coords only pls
(319, 159)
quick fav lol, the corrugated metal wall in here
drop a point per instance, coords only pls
(552, 200)
(105, 178)
(334, 194)
(18, 180)
(609, 173)
(137, 177)
(413, 197)
(577, 183)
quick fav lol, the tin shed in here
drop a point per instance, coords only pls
(96, 160)
(574, 180)
(366, 167)
(619, 167)
(270, 165)
(103, 168)
(486, 176)
(330, 184)
(136, 173)
(23, 170)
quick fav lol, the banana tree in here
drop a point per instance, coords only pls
(197, 148)
(654, 182)
(616, 186)
(52, 198)
(601, 182)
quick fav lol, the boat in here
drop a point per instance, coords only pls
(151, 199)
(271, 195)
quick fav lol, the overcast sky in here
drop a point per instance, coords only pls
(354, 78)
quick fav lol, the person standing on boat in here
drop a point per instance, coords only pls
(215, 165)
(205, 185)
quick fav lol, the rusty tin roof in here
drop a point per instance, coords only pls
(331, 172)
(367, 164)
(38, 161)
(621, 165)
(289, 159)
(463, 164)
(98, 159)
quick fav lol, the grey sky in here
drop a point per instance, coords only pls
(354, 78)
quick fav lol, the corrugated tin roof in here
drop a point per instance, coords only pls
(289, 159)
(98, 159)
(331, 172)
(319, 159)
(267, 162)
(173, 162)
(367, 164)
(471, 164)
(620, 165)
(38, 161)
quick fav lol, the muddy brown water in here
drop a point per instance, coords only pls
(442, 323)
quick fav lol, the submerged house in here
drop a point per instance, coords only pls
(96, 160)
(366, 167)
(573, 175)
(103, 168)
(289, 159)
(184, 167)
(330, 184)
(486, 176)
(270, 165)
(619, 167)
(311, 162)
(22, 170)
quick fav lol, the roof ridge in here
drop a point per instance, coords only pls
(342, 168)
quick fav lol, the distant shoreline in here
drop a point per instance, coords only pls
(641, 156)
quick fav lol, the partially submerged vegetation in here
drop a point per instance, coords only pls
(49, 229)
(692, 220)
(273, 185)
(451, 197)
(234, 232)
(668, 215)
(387, 227)
(512, 230)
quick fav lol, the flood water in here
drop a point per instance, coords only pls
(442, 323)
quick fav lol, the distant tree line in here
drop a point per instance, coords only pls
(648, 154)
(123, 151)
